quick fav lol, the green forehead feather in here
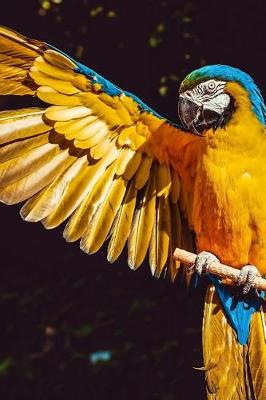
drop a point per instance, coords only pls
(192, 80)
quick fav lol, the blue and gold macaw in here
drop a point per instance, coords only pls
(97, 156)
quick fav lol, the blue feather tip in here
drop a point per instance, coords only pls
(238, 307)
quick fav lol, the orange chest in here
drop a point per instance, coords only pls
(229, 211)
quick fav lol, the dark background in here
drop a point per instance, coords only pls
(72, 326)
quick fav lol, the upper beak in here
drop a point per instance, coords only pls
(196, 117)
(189, 113)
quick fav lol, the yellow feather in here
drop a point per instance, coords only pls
(257, 353)
(78, 188)
(59, 73)
(160, 238)
(61, 113)
(99, 132)
(114, 103)
(130, 137)
(124, 158)
(142, 130)
(58, 60)
(142, 174)
(81, 82)
(125, 136)
(105, 112)
(224, 357)
(40, 206)
(12, 72)
(111, 101)
(26, 187)
(101, 223)
(14, 88)
(14, 61)
(175, 186)
(71, 128)
(122, 225)
(94, 128)
(17, 168)
(132, 166)
(45, 80)
(163, 180)
(100, 149)
(176, 240)
(131, 105)
(140, 234)
(20, 124)
(12, 40)
(20, 147)
(51, 96)
(150, 121)
(80, 219)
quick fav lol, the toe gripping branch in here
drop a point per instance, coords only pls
(248, 275)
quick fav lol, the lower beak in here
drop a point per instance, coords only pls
(195, 117)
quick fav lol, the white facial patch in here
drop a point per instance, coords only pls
(209, 94)
(218, 103)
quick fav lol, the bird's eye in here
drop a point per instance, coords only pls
(211, 85)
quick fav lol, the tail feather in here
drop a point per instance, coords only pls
(257, 353)
(233, 371)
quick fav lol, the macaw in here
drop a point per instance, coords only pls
(97, 156)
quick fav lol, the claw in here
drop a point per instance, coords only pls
(203, 262)
(247, 277)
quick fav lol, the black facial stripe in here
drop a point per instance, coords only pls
(210, 96)
(216, 94)
(202, 93)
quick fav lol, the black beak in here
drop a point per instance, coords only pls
(195, 117)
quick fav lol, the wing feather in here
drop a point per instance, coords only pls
(101, 223)
(20, 147)
(29, 185)
(126, 155)
(143, 221)
(40, 206)
(78, 188)
(52, 96)
(132, 166)
(17, 168)
(160, 239)
(78, 223)
(176, 240)
(143, 173)
(122, 225)
(21, 123)
(92, 153)
(163, 180)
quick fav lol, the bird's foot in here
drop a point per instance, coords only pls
(203, 262)
(247, 277)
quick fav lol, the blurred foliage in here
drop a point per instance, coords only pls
(72, 326)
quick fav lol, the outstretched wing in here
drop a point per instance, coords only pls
(86, 157)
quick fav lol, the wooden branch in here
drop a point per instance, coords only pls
(216, 268)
